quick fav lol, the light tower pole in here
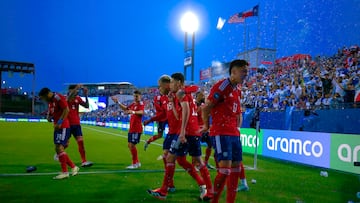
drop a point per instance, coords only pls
(189, 24)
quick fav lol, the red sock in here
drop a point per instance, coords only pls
(190, 169)
(81, 148)
(168, 177)
(164, 158)
(69, 162)
(207, 154)
(219, 183)
(134, 155)
(62, 160)
(206, 177)
(232, 184)
(153, 138)
(242, 172)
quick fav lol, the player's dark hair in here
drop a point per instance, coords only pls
(71, 87)
(237, 63)
(197, 93)
(164, 79)
(137, 92)
(178, 77)
(44, 91)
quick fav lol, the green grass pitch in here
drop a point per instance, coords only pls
(24, 144)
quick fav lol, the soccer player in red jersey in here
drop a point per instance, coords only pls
(188, 141)
(136, 110)
(173, 111)
(74, 101)
(160, 102)
(205, 138)
(223, 103)
(58, 110)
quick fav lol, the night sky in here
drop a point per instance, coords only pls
(83, 41)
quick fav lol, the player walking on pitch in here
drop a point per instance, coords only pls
(187, 141)
(58, 110)
(160, 102)
(205, 138)
(136, 110)
(74, 100)
(223, 103)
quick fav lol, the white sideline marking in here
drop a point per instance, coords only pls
(84, 173)
(101, 172)
(119, 135)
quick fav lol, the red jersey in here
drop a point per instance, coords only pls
(135, 120)
(192, 127)
(56, 107)
(174, 124)
(227, 109)
(199, 114)
(73, 116)
(160, 103)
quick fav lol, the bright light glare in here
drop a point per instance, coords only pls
(189, 22)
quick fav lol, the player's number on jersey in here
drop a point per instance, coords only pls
(235, 105)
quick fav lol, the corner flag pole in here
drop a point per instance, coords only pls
(258, 39)
(257, 113)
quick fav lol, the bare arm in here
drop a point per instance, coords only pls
(206, 114)
(139, 112)
(122, 106)
(185, 112)
(86, 105)
(240, 120)
(65, 113)
(62, 117)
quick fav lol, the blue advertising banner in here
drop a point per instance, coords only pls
(303, 147)
(149, 129)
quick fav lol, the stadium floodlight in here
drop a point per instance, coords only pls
(189, 24)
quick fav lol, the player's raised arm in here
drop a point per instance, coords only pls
(122, 106)
(86, 104)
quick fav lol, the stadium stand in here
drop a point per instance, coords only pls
(297, 83)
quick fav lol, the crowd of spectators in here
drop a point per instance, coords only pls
(321, 83)
(304, 83)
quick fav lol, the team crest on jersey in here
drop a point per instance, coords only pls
(216, 95)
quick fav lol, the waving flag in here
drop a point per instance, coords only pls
(240, 17)
(220, 23)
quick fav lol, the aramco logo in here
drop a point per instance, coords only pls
(295, 146)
